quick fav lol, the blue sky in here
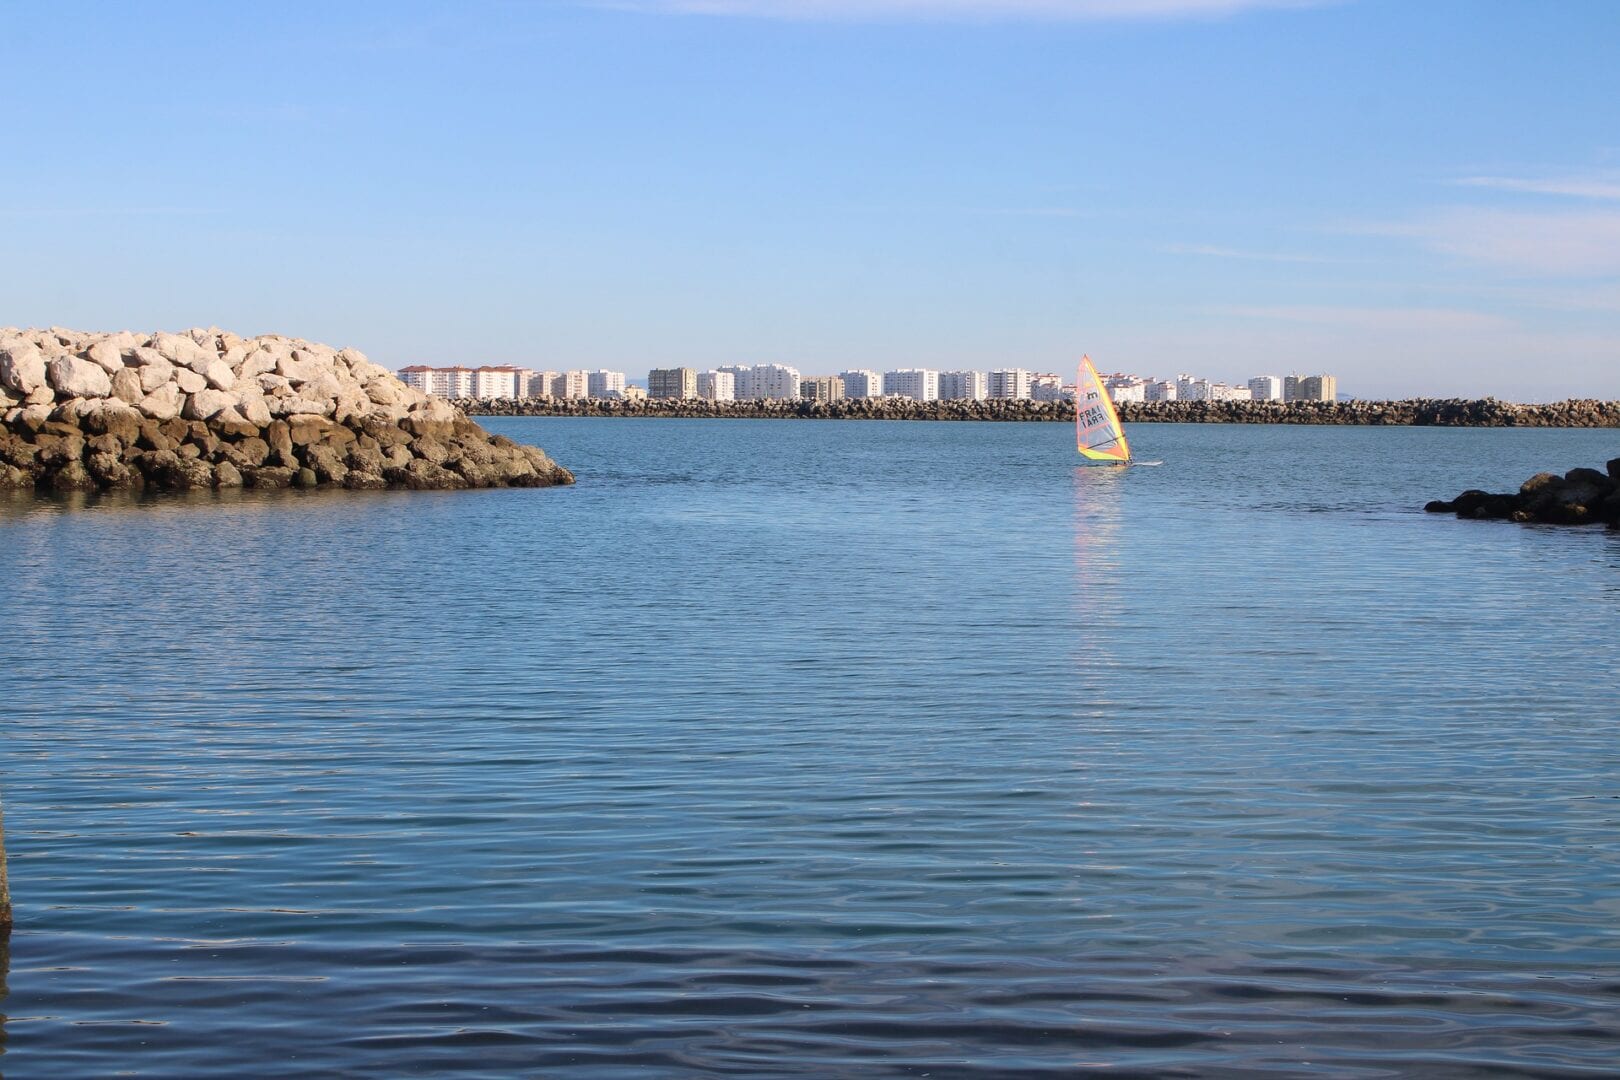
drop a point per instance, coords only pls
(1421, 197)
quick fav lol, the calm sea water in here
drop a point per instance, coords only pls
(824, 750)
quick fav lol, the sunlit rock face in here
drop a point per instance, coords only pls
(86, 411)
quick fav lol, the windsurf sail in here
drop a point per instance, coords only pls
(1097, 431)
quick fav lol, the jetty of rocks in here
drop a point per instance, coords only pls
(1486, 412)
(1579, 497)
(86, 411)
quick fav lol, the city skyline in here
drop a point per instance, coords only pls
(1422, 198)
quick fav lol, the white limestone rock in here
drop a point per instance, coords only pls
(164, 403)
(22, 366)
(206, 404)
(106, 355)
(75, 377)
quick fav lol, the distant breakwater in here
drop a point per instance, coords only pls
(1422, 412)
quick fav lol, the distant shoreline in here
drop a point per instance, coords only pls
(1485, 412)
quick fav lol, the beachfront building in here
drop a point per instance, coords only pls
(1049, 387)
(1009, 384)
(1291, 388)
(572, 386)
(717, 386)
(764, 381)
(540, 383)
(605, 384)
(1222, 392)
(963, 386)
(862, 384)
(1123, 388)
(1191, 388)
(1318, 388)
(821, 388)
(677, 383)
(417, 377)
(1159, 390)
(918, 384)
(1265, 388)
(635, 393)
(491, 382)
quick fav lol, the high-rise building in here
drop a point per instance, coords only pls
(963, 386)
(605, 384)
(1222, 392)
(1266, 388)
(571, 385)
(821, 388)
(540, 383)
(1009, 384)
(1291, 387)
(417, 377)
(776, 382)
(1318, 388)
(717, 386)
(1159, 390)
(491, 383)
(1047, 388)
(1123, 388)
(1191, 388)
(919, 384)
(678, 382)
(862, 384)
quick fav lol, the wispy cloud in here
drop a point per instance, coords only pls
(1596, 186)
(1068, 10)
(1551, 243)
(1216, 252)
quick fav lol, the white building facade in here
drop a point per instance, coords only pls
(1266, 388)
(963, 386)
(919, 384)
(717, 386)
(605, 384)
(862, 384)
(1011, 384)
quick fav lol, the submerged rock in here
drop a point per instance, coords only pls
(208, 409)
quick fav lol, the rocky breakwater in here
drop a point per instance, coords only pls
(1485, 412)
(1579, 497)
(208, 409)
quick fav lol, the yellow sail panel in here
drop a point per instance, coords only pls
(1097, 431)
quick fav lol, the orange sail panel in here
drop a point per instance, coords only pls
(1097, 431)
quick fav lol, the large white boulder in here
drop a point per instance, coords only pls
(22, 366)
(164, 403)
(78, 378)
(207, 404)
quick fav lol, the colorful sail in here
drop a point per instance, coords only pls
(1097, 430)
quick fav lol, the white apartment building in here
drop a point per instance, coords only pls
(453, 382)
(1266, 388)
(540, 383)
(1122, 390)
(1010, 384)
(605, 384)
(1189, 388)
(417, 377)
(764, 381)
(1159, 390)
(963, 386)
(919, 384)
(1222, 392)
(490, 383)
(717, 386)
(1047, 387)
(862, 384)
(571, 385)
